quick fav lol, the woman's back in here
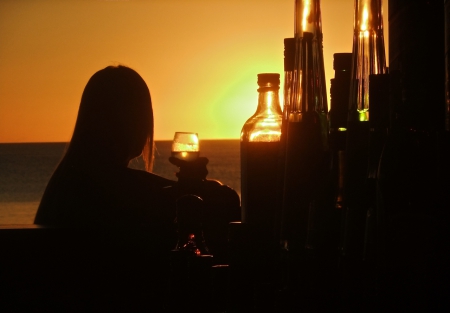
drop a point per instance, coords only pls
(93, 184)
(107, 196)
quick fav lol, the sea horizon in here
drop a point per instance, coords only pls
(25, 169)
(66, 142)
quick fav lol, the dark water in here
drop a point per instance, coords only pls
(26, 168)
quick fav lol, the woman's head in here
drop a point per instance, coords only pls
(115, 119)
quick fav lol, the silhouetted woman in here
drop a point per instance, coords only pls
(93, 185)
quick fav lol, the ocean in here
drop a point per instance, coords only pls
(25, 169)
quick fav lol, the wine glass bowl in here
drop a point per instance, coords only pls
(185, 146)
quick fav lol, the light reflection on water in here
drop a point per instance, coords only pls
(18, 212)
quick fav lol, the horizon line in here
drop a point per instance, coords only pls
(40, 142)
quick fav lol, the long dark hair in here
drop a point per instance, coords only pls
(115, 119)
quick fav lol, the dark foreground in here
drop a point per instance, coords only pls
(46, 269)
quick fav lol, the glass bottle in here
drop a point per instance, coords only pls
(306, 159)
(339, 95)
(368, 55)
(260, 145)
(306, 129)
(379, 128)
(222, 203)
(446, 136)
(368, 59)
(289, 60)
(289, 64)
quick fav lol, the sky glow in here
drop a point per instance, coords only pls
(200, 59)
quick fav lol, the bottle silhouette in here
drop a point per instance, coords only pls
(339, 96)
(305, 141)
(222, 203)
(190, 282)
(368, 59)
(260, 161)
(379, 95)
(306, 127)
(289, 62)
(260, 146)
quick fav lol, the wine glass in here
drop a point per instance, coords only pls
(185, 146)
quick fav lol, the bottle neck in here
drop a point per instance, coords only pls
(309, 92)
(268, 101)
(287, 93)
(265, 124)
(289, 63)
(307, 18)
(368, 55)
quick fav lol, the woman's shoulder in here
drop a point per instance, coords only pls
(137, 195)
(148, 178)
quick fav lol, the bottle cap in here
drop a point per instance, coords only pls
(269, 80)
(342, 61)
(289, 54)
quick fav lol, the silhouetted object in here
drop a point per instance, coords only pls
(256, 254)
(413, 185)
(92, 185)
(191, 171)
(306, 129)
(417, 50)
(447, 64)
(368, 59)
(339, 96)
(260, 148)
(253, 273)
(289, 66)
(220, 288)
(222, 203)
(306, 155)
(70, 269)
(190, 219)
(379, 95)
(190, 284)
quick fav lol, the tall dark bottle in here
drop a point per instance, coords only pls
(306, 130)
(260, 145)
(289, 60)
(306, 162)
(368, 59)
(447, 65)
(339, 95)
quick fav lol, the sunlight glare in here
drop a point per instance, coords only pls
(364, 18)
(306, 14)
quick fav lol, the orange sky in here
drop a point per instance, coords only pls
(199, 58)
